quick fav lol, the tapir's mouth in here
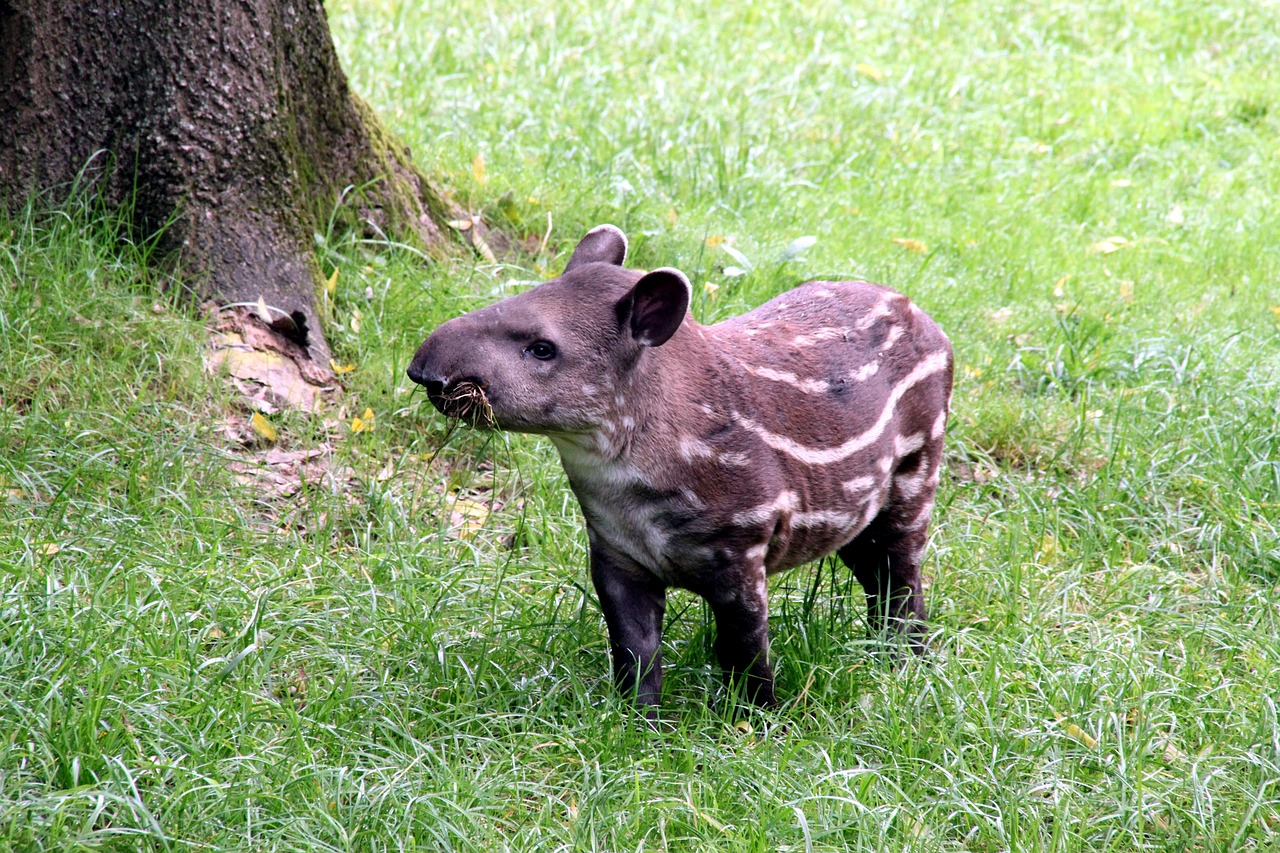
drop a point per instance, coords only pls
(464, 399)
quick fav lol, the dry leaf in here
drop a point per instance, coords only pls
(332, 284)
(341, 368)
(477, 169)
(1275, 309)
(466, 517)
(363, 423)
(49, 549)
(263, 427)
(712, 242)
(869, 71)
(1080, 735)
(263, 311)
(917, 246)
(1108, 245)
(710, 289)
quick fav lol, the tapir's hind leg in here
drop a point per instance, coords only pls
(885, 557)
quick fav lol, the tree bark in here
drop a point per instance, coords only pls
(228, 125)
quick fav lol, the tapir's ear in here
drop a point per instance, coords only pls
(604, 244)
(656, 306)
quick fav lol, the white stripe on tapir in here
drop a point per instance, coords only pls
(936, 362)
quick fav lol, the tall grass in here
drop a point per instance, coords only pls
(1080, 192)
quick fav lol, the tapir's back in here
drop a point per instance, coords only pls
(848, 390)
(836, 357)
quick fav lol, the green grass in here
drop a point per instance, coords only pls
(188, 661)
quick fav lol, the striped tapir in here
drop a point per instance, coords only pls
(709, 457)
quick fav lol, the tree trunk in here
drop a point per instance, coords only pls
(229, 126)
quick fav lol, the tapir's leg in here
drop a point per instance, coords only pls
(742, 634)
(633, 605)
(885, 557)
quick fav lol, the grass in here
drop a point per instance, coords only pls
(1080, 192)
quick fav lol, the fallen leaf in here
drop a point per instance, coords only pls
(263, 427)
(797, 246)
(466, 517)
(363, 423)
(1275, 309)
(263, 311)
(917, 246)
(1059, 287)
(332, 284)
(1108, 245)
(49, 549)
(478, 170)
(341, 368)
(710, 289)
(869, 71)
(1078, 734)
(712, 242)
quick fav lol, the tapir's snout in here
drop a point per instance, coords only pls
(454, 393)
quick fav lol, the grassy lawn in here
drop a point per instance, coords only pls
(404, 652)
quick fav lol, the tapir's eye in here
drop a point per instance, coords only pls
(542, 350)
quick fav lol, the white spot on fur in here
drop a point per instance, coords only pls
(907, 444)
(808, 386)
(881, 309)
(827, 333)
(862, 374)
(823, 293)
(756, 553)
(734, 459)
(786, 502)
(628, 422)
(939, 425)
(859, 485)
(827, 455)
(823, 518)
(890, 339)
(694, 448)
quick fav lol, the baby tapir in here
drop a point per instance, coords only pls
(709, 457)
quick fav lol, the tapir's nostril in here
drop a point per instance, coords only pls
(435, 388)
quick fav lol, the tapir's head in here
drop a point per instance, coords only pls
(555, 358)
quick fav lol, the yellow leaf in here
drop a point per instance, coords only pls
(49, 549)
(712, 242)
(743, 727)
(1059, 287)
(917, 246)
(1107, 246)
(466, 517)
(1126, 291)
(263, 427)
(477, 169)
(341, 368)
(363, 423)
(332, 284)
(672, 217)
(1275, 309)
(869, 71)
(710, 288)
(1080, 735)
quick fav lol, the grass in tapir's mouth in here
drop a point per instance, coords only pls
(467, 401)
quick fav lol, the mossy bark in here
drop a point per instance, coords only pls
(227, 124)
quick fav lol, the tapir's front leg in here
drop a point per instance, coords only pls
(741, 608)
(633, 603)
